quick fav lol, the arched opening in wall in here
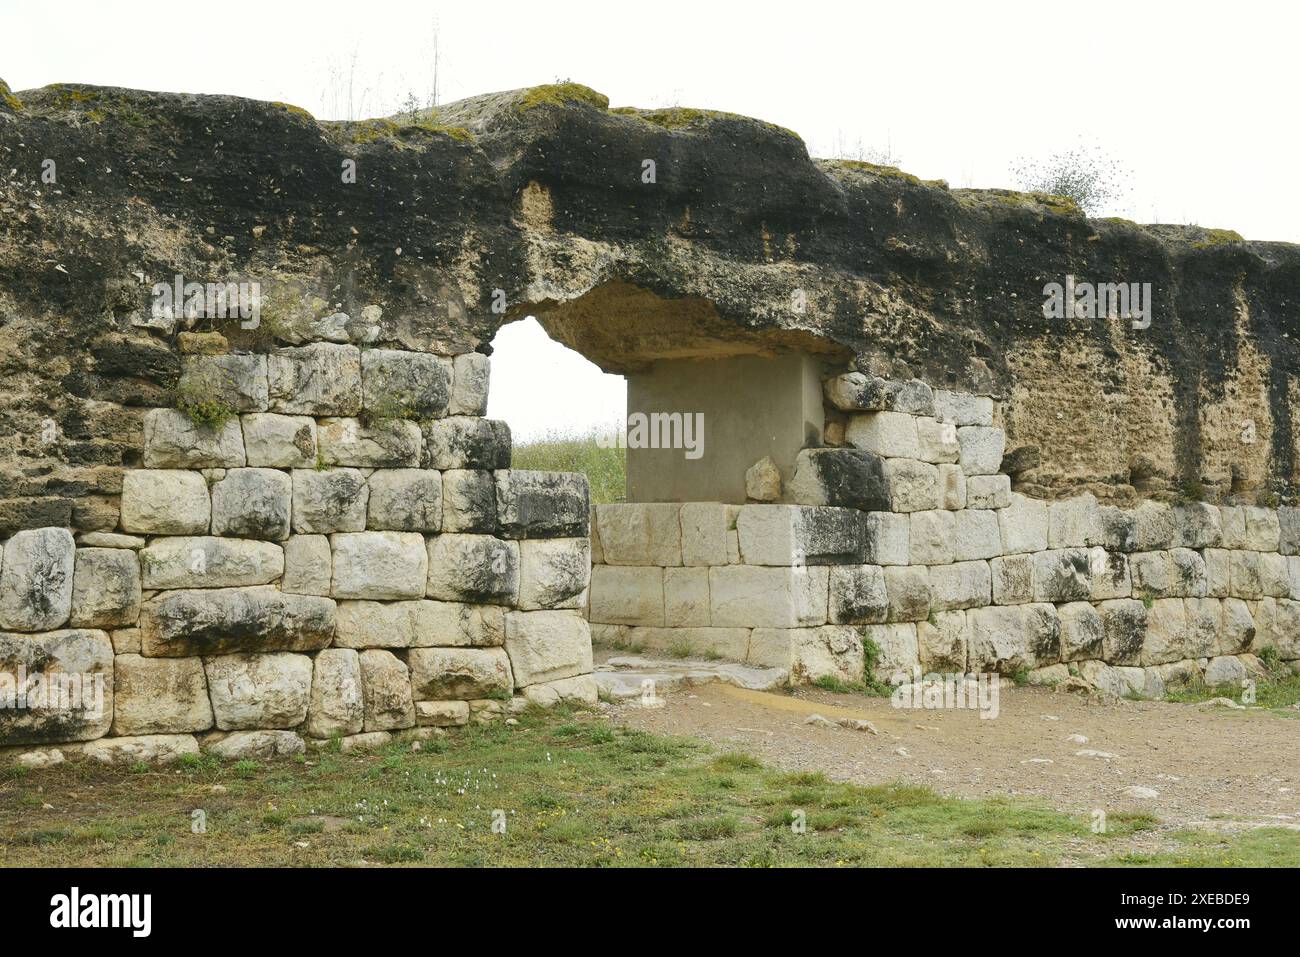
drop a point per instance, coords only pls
(564, 413)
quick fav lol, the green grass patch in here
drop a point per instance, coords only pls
(605, 468)
(571, 789)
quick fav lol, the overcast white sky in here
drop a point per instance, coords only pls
(1196, 100)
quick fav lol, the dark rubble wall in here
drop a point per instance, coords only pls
(539, 194)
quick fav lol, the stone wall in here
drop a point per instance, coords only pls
(327, 543)
(909, 535)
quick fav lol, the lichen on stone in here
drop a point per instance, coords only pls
(685, 118)
(560, 94)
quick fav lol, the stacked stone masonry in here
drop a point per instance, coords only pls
(907, 535)
(345, 554)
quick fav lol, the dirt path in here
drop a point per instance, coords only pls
(1209, 766)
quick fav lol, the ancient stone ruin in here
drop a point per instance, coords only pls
(262, 530)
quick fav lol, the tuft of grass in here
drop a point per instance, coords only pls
(605, 468)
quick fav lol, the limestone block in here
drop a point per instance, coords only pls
(456, 624)
(1225, 671)
(1168, 635)
(410, 500)
(439, 674)
(336, 708)
(942, 641)
(407, 384)
(858, 595)
(1274, 576)
(888, 538)
(961, 585)
(471, 375)
(376, 624)
(36, 579)
(763, 481)
(165, 502)
(126, 641)
(960, 408)
(173, 441)
(258, 691)
(1062, 575)
(913, 485)
(1118, 529)
(1288, 518)
(936, 441)
(386, 691)
(988, 491)
(580, 689)
(554, 573)
(319, 379)
(1074, 522)
(329, 500)
(1110, 574)
(799, 535)
(469, 501)
(887, 434)
(849, 478)
(208, 562)
(1204, 625)
(854, 391)
(704, 533)
(1232, 523)
(898, 650)
(157, 749)
(258, 745)
(686, 597)
(1218, 572)
(68, 692)
(953, 488)
(627, 594)
(1042, 625)
(1199, 525)
(377, 443)
(105, 588)
(534, 504)
(252, 503)
(441, 714)
(466, 442)
(1124, 629)
(640, 534)
(931, 535)
(1024, 525)
(1263, 529)
(1106, 678)
(1293, 572)
(767, 596)
(1277, 622)
(730, 643)
(1238, 627)
(379, 565)
(915, 398)
(547, 645)
(908, 590)
(1013, 579)
(279, 441)
(831, 651)
(1155, 527)
(479, 569)
(1244, 575)
(179, 624)
(308, 565)
(976, 535)
(237, 381)
(982, 448)
(1082, 632)
(159, 696)
(108, 540)
(998, 640)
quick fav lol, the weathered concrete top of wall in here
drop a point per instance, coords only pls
(538, 199)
